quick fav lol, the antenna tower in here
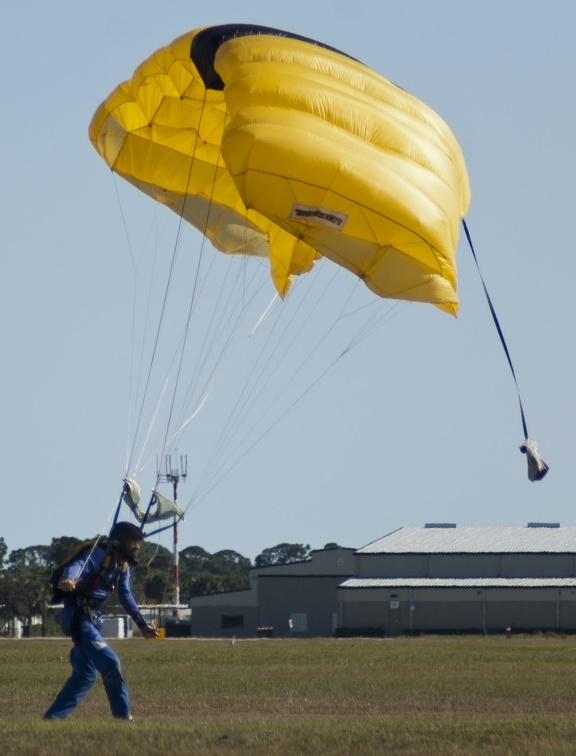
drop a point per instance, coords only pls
(173, 474)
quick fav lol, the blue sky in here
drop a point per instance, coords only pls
(420, 422)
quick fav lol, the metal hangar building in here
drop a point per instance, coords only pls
(439, 578)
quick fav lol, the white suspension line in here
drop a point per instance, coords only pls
(264, 314)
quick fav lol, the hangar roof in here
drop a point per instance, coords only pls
(446, 539)
(493, 582)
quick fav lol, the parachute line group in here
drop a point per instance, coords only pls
(227, 297)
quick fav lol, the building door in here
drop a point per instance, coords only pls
(298, 623)
(393, 627)
(334, 622)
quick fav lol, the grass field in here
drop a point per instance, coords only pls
(429, 695)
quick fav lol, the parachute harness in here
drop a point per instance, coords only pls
(537, 468)
(98, 579)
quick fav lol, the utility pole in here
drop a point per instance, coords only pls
(174, 475)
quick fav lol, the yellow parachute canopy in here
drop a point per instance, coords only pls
(277, 146)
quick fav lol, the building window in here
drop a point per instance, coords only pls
(228, 621)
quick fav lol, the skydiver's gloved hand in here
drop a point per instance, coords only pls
(149, 632)
(67, 585)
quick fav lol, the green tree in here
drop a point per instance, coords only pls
(61, 548)
(3, 552)
(155, 557)
(283, 553)
(193, 559)
(159, 587)
(231, 566)
(153, 577)
(30, 556)
(204, 583)
(8, 591)
(227, 562)
(26, 584)
(203, 573)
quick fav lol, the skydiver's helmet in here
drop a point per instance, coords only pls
(123, 532)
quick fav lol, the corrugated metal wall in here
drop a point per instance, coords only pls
(457, 610)
(221, 621)
(313, 596)
(466, 565)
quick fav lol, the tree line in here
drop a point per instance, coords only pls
(25, 589)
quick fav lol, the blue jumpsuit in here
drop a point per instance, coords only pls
(90, 653)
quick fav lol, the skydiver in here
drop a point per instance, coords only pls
(86, 582)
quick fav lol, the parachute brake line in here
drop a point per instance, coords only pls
(537, 468)
(147, 514)
(125, 490)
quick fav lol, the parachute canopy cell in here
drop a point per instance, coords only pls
(278, 146)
